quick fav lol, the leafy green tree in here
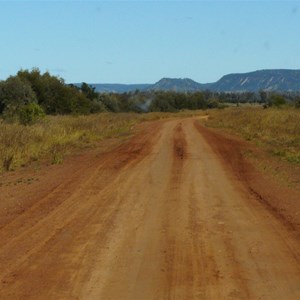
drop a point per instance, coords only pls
(88, 91)
(14, 94)
(97, 107)
(110, 102)
(163, 101)
(197, 101)
(79, 104)
(54, 96)
(37, 82)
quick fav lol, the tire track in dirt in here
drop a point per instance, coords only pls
(162, 216)
(24, 238)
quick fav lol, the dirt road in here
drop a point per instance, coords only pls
(160, 217)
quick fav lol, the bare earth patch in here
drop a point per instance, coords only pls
(175, 212)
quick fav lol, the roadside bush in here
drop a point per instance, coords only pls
(276, 100)
(97, 106)
(30, 113)
(213, 103)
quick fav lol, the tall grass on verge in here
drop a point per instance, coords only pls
(54, 136)
(278, 129)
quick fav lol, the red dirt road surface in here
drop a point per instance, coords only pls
(173, 213)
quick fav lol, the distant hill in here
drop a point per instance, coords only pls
(117, 87)
(176, 85)
(269, 80)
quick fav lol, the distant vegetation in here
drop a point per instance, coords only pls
(30, 95)
(41, 100)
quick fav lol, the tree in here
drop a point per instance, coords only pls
(163, 101)
(276, 100)
(263, 96)
(97, 107)
(15, 93)
(37, 82)
(88, 91)
(54, 96)
(213, 103)
(2, 104)
(198, 101)
(110, 102)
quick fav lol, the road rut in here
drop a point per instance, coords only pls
(159, 217)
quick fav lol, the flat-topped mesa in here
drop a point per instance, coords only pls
(277, 80)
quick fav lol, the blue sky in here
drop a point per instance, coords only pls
(143, 41)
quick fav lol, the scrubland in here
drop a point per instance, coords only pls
(55, 136)
(278, 129)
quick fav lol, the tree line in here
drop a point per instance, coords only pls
(29, 95)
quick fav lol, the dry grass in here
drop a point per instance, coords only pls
(278, 129)
(56, 136)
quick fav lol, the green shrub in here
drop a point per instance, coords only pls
(277, 100)
(30, 113)
(14, 94)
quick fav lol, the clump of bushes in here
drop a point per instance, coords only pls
(29, 95)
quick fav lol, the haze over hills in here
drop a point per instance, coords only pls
(279, 80)
(117, 87)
